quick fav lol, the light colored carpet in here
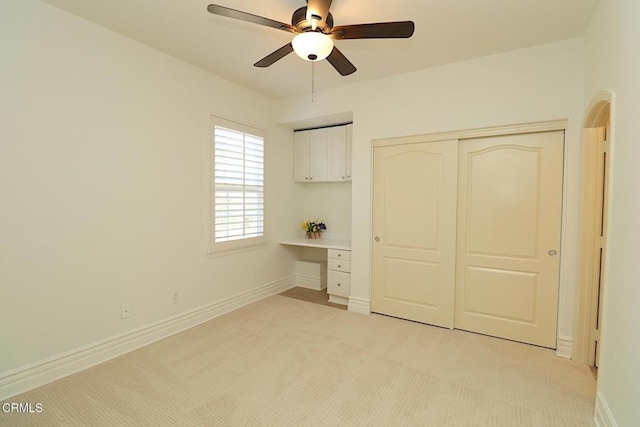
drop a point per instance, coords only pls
(286, 362)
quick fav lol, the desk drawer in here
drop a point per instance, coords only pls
(339, 265)
(339, 283)
(339, 254)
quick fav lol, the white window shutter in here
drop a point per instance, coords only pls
(238, 185)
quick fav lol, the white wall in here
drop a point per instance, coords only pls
(613, 64)
(104, 186)
(330, 203)
(530, 85)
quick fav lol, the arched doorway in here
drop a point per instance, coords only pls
(594, 207)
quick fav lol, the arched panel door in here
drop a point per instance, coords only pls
(414, 228)
(508, 244)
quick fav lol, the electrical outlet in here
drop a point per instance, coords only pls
(176, 297)
(126, 311)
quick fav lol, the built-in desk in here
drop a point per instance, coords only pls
(339, 265)
(321, 243)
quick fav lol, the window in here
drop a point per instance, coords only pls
(237, 218)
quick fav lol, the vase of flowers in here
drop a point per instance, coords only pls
(313, 229)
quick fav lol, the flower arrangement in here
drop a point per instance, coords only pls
(313, 229)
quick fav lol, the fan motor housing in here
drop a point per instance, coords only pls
(299, 20)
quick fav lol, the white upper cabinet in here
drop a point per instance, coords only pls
(337, 153)
(301, 156)
(318, 157)
(322, 155)
(310, 156)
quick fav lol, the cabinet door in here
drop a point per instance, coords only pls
(337, 153)
(339, 283)
(318, 155)
(348, 150)
(301, 156)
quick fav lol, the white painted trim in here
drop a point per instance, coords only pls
(44, 371)
(564, 347)
(595, 118)
(338, 299)
(474, 133)
(603, 416)
(359, 305)
(601, 102)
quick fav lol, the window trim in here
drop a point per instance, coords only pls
(217, 249)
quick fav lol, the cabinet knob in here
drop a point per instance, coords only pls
(339, 284)
(306, 177)
(339, 266)
(377, 239)
(343, 177)
(339, 255)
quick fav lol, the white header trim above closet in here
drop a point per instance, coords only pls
(474, 133)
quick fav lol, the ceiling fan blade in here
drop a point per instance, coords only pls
(248, 17)
(274, 56)
(340, 62)
(319, 8)
(380, 30)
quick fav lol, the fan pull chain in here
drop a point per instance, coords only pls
(313, 79)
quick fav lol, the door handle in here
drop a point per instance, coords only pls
(552, 252)
(377, 239)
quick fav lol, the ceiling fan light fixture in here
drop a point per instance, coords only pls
(312, 45)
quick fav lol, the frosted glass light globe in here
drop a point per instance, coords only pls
(312, 46)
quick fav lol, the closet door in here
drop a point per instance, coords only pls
(508, 246)
(414, 229)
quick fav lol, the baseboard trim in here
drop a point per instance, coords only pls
(308, 282)
(359, 305)
(603, 416)
(42, 372)
(564, 347)
(338, 299)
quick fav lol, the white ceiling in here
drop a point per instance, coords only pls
(446, 31)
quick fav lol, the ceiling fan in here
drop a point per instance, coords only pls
(315, 33)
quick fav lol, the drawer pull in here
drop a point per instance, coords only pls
(339, 255)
